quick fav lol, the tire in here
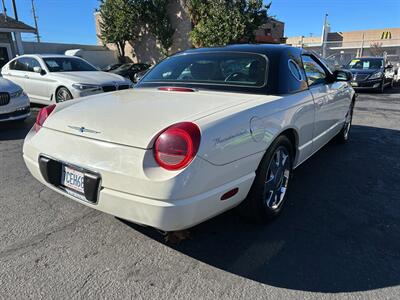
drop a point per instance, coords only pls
(269, 191)
(381, 88)
(343, 136)
(63, 94)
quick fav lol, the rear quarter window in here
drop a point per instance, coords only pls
(295, 70)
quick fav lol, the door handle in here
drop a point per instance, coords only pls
(320, 102)
(26, 76)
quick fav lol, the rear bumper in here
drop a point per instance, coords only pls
(167, 215)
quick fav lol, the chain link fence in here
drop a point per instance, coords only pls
(339, 53)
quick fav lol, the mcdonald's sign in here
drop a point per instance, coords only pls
(386, 35)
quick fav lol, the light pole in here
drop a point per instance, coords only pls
(4, 9)
(35, 19)
(362, 45)
(325, 31)
(15, 10)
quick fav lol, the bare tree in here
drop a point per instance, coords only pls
(376, 49)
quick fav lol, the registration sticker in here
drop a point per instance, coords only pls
(73, 179)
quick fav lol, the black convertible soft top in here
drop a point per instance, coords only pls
(279, 78)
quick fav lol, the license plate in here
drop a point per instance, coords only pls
(354, 84)
(73, 179)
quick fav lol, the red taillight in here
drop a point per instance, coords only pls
(176, 89)
(176, 146)
(43, 115)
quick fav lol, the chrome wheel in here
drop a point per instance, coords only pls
(63, 95)
(270, 190)
(277, 179)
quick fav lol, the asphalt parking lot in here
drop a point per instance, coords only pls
(339, 236)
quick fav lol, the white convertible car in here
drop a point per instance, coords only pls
(55, 78)
(204, 131)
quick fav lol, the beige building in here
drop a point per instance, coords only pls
(343, 46)
(145, 49)
(272, 32)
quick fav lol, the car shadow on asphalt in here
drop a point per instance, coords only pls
(339, 232)
(15, 130)
(392, 90)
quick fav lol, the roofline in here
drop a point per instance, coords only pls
(304, 45)
(366, 30)
(365, 47)
(341, 32)
(48, 55)
(276, 20)
(17, 30)
(13, 22)
(368, 56)
(231, 47)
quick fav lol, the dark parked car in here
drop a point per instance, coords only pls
(139, 75)
(129, 70)
(111, 67)
(370, 73)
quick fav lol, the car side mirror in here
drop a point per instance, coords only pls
(39, 70)
(342, 75)
(389, 67)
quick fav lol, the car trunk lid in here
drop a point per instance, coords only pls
(135, 117)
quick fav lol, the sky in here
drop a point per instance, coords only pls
(64, 21)
(305, 17)
(72, 21)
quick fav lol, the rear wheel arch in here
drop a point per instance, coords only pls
(293, 137)
(257, 205)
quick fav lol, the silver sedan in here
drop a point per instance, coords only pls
(14, 103)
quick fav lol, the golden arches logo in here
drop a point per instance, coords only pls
(386, 35)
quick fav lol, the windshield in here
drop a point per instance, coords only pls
(67, 64)
(365, 64)
(215, 68)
